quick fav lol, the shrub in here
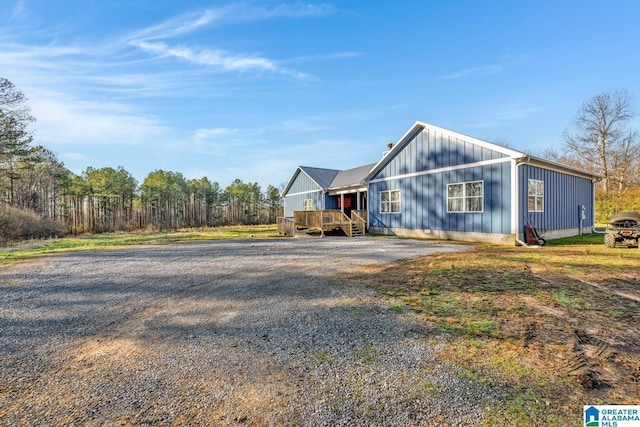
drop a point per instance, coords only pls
(21, 224)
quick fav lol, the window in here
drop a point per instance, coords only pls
(308, 204)
(390, 201)
(465, 197)
(536, 195)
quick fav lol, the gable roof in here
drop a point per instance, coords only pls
(513, 154)
(419, 127)
(321, 177)
(351, 177)
(332, 179)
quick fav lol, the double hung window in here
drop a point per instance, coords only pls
(390, 201)
(308, 204)
(465, 197)
(536, 195)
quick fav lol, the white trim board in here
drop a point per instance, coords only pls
(447, 169)
(303, 192)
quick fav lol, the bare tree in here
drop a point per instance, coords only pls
(602, 143)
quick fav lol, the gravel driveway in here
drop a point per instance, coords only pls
(251, 332)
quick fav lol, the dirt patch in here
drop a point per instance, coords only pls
(558, 327)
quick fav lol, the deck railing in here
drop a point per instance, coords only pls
(330, 219)
(286, 226)
(359, 218)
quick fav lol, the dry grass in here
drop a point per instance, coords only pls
(36, 248)
(556, 327)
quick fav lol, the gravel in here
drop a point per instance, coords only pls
(251, 332)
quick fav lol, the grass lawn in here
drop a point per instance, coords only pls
(33, 249)
(555, 327)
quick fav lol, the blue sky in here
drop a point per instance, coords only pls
(252, 89)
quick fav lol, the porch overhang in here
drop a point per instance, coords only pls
(349, 189)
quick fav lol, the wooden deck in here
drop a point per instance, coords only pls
(325, 220)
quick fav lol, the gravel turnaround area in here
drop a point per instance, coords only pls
(250, 332)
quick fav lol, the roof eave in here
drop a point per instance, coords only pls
(292, 179)
(535, 160)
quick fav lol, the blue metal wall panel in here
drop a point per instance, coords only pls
(330, 202)
(424, 201)
(296, 202)
(302, 183)
(430, 150)
(301, 189)
(563, 194)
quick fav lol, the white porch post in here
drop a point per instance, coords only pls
(342, 202)
(358, 205)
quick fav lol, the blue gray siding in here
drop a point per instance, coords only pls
(563, 193)
(302, 183)
(424, 201)
(432, 160)
(301, 189)
(296, 202)
(304, 188)
(430, 150)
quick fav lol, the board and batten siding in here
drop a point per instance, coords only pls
(295, 202)
(423, 204)
(422, 170)
(563, 195)
(430, 149)
(301, 189)
(303, 184)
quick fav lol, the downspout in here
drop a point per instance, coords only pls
(517, 201)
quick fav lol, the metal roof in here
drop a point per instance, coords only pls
(351, 177)
(322, 177)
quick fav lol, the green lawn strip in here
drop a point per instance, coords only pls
(29, 250)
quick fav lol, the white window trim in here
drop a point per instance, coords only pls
(464, 196)
(535, 195)
(390, 202)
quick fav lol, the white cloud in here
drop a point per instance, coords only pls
(503, 62)
(63, 120)
(218, 59)
(239, 12)
(153, 39)
(322, 57)
(206, 134)
(178, 26)
(477, 71)
(19, 10)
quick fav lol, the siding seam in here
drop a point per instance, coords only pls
(445, 169)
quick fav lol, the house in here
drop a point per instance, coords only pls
(340, 195)
(440, 184)
(320, 189)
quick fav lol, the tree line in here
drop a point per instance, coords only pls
(39, 196)
(35, 184)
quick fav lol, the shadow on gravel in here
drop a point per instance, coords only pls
(222, 333)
